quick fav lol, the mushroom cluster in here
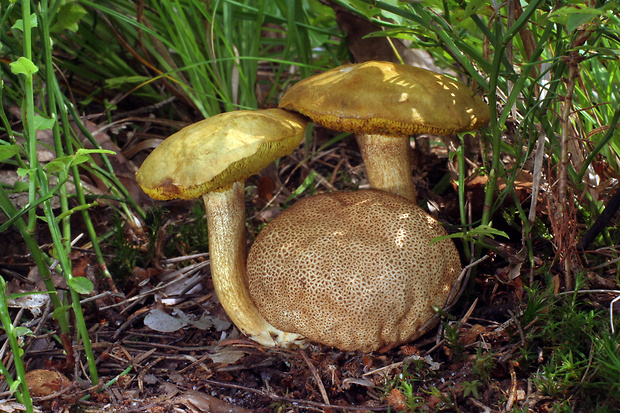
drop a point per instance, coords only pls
(355, 270)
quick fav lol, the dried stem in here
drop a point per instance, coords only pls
(564, 245)
(563, 198)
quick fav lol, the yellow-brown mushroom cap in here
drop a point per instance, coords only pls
(387, 98)
(353, 270)
(215, 152)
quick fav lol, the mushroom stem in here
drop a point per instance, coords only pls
(228, 253)
(388, 163)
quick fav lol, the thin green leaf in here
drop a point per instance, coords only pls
(69, 14)
(23, 66)
(81, 285)
(304, 186)
(19, 24)
(41, 123)
(21, 331)
(25, 171)
(60, 312)
(9, 151)
(18, 295)
(13, 387)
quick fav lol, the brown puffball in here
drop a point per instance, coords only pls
(353, 270)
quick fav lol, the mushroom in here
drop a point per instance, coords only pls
(354, 270)
(212, 158)
(384, 103)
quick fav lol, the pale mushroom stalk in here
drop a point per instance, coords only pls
(225, 211)
(388, 163)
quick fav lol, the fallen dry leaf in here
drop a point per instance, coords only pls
(201, 402)
(45, 382)
(11, 407)
(472, 334)
(396, 399)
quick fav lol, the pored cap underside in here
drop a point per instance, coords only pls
(353, 270)
(387, 98)
(216, 152)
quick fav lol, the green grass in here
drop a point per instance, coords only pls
(204, 55)
(183, 234)
(571, 351)
(403, 384)
(569, 355)
(26, 73)
(548, 71)
(528, 81)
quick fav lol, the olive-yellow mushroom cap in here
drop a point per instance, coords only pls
(383, 104)
(387, 98)
(353, 270)
(215, 152)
